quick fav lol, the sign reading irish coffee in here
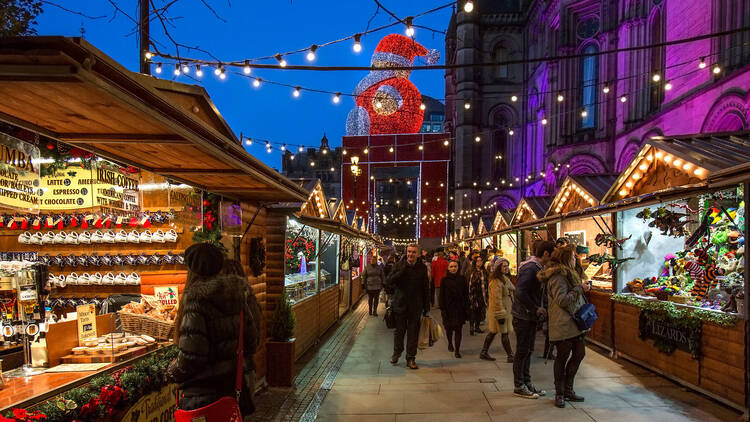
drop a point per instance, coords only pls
(669, 333)
(114, 189)
(19, 174)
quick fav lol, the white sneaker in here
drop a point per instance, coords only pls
(84, 238)
(134, 279)
(97, 237)
(71, 238)
(121, 237)
(121, 279)
(134, 237)
(108, 279)
(60, 239)
(48, 238)
(83, 279)
(95, 278)
(24, 238)
(72, 279)
(146, 236)
(158, 237)
(36, 238)
(109, 236)
(170, 236)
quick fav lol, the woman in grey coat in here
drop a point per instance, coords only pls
(565, 294)
(373, 278)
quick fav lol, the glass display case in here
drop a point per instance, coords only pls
(301, 260)
(329, 260)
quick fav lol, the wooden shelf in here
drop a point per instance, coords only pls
(109, 357)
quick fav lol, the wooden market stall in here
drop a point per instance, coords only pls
(168, 137)
(528, 212)
(673, 221)
(505, 238)
(591, 231)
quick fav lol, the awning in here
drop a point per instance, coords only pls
(66, 89)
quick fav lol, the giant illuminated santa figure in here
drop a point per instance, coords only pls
(387, 102)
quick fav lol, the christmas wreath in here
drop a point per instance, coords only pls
(62, 157)
(257, 255)
(210, 229)
(293, 249)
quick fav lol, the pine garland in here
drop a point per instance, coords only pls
(722, 319)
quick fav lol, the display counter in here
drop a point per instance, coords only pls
(301, 260)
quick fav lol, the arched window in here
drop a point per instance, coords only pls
(501, 70)
(657, 61)
(589, 71)
(500, 147)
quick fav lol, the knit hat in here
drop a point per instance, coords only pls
(401, 50)
(204, 259)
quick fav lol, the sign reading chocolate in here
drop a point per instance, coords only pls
(66, 189)
(19, 174)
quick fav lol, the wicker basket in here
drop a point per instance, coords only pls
(144, 324)
(680, 299)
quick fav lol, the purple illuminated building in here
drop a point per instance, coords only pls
(610, 132)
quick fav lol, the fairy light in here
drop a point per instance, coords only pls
(246, 70)
(217, 71)
(312, 163)
(198, 71)
(477, 139)
(311, 54)
(468, 6)
(186, 68)
(656, 77)
(337, 98)
(222, 74)
(623, 99)
(467, 105)
(366, 150)
(177, 70)
(301, 149)
(149, 55)
(409, 27)
(605, 89)
(544, 121)
(249, 142)
(668, 86)
(296, 91)
(511, 132)
(514, 98)
(716, 69)
(256, 82)
(357, 47)
(390, 149)
(702, 64)
(158, 68)
(560, 98)
(446, 143)
(280, 59)
(421, 147)
(422, 106)
(584, 113)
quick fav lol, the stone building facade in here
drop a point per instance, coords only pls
(310, 164)
(531, 112)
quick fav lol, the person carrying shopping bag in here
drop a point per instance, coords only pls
(501, 291)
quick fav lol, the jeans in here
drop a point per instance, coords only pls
(406, 324)
(570, 353)
(525, 336)
(373, 296)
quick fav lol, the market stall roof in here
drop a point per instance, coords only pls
(339, 213)
(471, 231)
(316, 204)
(532, 207)
(665, 163)
(501, 221)
(67, 90)
(485, 226)
(580, 192)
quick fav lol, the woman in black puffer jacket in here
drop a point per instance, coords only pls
(206, 332)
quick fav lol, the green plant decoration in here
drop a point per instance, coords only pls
(283, 320)
(717, 318)
(210, 229)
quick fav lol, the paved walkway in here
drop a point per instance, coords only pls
(368, 388)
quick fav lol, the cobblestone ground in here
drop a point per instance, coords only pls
(350, 378)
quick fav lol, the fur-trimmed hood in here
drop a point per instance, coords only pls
(547, 273)
(221, 291)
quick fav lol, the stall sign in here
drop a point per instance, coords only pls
(577, 237)
(86, 315)
(67, 189)
(668, 335)
(19, 174)
(115, 190)
(158, 406)
(167, 295)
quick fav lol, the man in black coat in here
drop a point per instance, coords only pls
(411, 299)
(527, 311)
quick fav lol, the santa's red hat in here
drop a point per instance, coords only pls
(401, 50)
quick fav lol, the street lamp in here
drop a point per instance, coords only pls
(356, 171)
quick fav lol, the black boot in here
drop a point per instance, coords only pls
(485, 350)
(560, 401)
(570, 394)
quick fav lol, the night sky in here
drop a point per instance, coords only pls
(263, 28)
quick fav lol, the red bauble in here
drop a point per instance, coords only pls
(50, 146)
(206, 203)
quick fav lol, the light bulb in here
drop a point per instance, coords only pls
(477, 139)
(324, 151)
(668, 86)
(544, 121)
(378, 104)
(656, 77)
(222, 74)
(702, 64)
(217, 71)
(149, 55)
(623, 99)
(280, 59)
(468, 6)
(467, 105)
(177, 70)
(560, 98)
(366, 151)
(584, 113)
(185, 68)
(511, 132)
(390, 149)
(246, 70)
(514, 98)
(446, 143)
(158, 68)
(311, 53)
(605, 89)
(716, 70)
(249, 142)
(357, 47)
(422, 106)
(332, 169)
(337, 98)
(409, 28)
(268, 150)
(301, 149)
(312, 163)
(198, 71)
(421, 147)
(256, 82)
(296, 91)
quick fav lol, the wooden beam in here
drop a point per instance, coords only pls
(121, 138)
(197, 171)
(38, 72)
(27, 125)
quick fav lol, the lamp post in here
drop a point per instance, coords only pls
(356, 171)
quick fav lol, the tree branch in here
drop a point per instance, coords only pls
(72, 11)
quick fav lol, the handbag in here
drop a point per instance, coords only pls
(226, 409)
(389, 318)
(585, 316)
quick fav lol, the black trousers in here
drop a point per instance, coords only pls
(406, 325)
(570, 354)
(373, 297)
(525, 336)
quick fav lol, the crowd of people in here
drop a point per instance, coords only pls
(476, 287)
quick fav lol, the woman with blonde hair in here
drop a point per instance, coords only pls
(500, 292)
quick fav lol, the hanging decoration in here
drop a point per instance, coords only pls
(669, 222)
(210, 230)
(387, 102)
(299, 250)
(257, 255)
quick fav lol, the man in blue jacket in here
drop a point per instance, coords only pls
(527, 311)
(411, 299)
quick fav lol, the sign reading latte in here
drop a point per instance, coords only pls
(19, 174)
(668, 335)
(69, 188)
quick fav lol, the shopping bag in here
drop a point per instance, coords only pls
(389, 318)
(424, 333)
(436, 331)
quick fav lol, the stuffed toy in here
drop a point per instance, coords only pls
(669, 264)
